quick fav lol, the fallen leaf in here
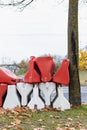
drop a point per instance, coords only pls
(40, 120)
(33, 110)
(43, 126)
(51, 116)
(58, 109)
(70, 119)
(70, 128)
(15, 112)
(38, 129)
(58, 128)
(16, 122)
(48, 108)
(83, 129)
(2, 111)
(18, 109)
(56, 117)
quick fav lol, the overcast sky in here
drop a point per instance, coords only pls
(39, 29)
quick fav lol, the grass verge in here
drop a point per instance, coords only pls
(46, 119)
(83, 76)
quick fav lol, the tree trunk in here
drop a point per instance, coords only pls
(74, 86)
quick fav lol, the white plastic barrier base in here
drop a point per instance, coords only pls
(11, 99)
(24, 90)
(36, 100)
(47, 89)
(61, 102)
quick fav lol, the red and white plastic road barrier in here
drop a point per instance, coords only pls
(31, 76)
(61, 102)
(8, 80)
(8, 77)
(3, 90)
(47, 89)
(46, 66)
(36, 101)
(11, 99)
(40, 83)
(24, 90)
(61, 76)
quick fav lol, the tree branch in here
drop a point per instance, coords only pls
(22, 3)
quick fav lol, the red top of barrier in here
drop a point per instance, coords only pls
(32, 76)
(7, 76)
(61, 76)
(3, 89)
(46, 66)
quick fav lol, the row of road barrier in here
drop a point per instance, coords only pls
(40, 87)
(36, 96)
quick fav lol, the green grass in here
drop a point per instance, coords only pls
(83, 76)
(45, 119)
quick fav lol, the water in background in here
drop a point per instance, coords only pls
(66, 93)
(83, 93)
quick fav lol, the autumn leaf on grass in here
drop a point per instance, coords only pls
(18, 109)
(58, 128)
(10, 111)
(70, 119)
(16, 122)
(25, 108)
(72, 128)
(26, 114)
(2, 111)
(4, 129)
(83, 129)
(57, 109)
(41, 120)
(33, 110)
(38, 129)
(48, 108)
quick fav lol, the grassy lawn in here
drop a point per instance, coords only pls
(25, 119)
(83, 76)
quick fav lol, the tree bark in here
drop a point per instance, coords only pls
(74, 86)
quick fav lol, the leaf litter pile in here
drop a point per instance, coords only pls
(22, 118)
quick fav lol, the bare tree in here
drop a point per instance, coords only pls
(16, 3)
